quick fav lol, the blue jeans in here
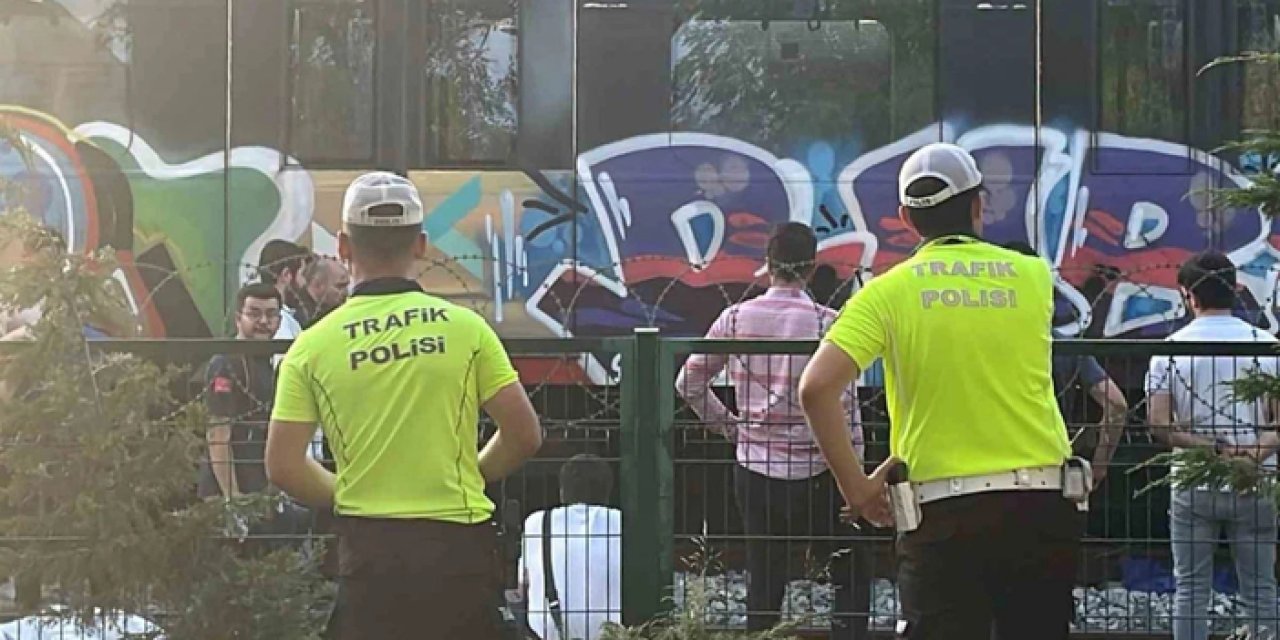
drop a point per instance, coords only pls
(1197, 518)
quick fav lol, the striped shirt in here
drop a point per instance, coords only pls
(770, 432)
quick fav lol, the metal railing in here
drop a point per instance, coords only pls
(674, 482)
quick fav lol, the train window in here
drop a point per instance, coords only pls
(471, 81)
(66, 59)
(1260, 31)
(331, 77)
(1143, 69)
(778, 83)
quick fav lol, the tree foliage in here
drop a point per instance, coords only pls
(1204, 468)
(757, 70)
(1143, 78)
(97, 470)
(333, 91)
(472, 92)
(468, 96)
(690, 621)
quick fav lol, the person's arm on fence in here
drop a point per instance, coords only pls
(693, 384)
(519, 434)
(293, 425)
(1115, 410)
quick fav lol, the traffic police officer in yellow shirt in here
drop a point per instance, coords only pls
(987, 503)
(397, 378)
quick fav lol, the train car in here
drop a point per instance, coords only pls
(596, 166)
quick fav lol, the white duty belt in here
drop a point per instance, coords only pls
(1030, 479)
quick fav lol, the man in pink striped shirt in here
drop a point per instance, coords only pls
(784, 491)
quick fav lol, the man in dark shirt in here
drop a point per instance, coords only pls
(238, 394)
(1072, 376)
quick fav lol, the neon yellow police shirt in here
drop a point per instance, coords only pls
(396, 378)
(963, 327)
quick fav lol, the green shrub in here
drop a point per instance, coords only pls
(97, 471)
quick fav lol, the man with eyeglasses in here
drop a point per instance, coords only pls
(238, 393)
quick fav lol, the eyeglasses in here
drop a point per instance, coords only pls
(258, 314)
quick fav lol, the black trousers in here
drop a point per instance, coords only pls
(415, 579)
(782, 516)
(999, 561)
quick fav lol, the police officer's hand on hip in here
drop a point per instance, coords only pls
(398, 377)
(986, 505)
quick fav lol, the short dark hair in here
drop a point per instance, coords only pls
(278, 256)
(383, 244)
(951, 217)
(586, 479)
(823, 282)
(791, 251)
(258, 291)
(1210, 276)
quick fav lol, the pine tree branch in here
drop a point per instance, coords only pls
(99, 456)
(1204, 468)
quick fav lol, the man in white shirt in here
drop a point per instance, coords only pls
(1191, 405)
(586, 555)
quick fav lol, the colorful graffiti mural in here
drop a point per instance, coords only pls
(664, 224)
(183, 230)
(1114, 215)
(659, 230)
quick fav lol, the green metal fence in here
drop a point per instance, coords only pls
(637, 422)
(1127, 541)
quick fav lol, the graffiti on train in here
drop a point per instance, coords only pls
(661, 230)
(178, 239)
(670, 222)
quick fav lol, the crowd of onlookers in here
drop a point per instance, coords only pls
(579, 567)
(570, 555)
(784, 490)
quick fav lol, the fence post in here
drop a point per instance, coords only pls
(662, 418)
(646, 480)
